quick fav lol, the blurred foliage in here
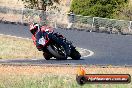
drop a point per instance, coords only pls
(124, 13)
(98, 8)
(39, 4)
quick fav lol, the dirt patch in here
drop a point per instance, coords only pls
(12, 3)
(54, 77)
(70, 70)
(10, 17)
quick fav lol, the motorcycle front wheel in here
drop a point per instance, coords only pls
(58, 51)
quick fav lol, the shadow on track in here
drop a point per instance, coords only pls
(42, 61)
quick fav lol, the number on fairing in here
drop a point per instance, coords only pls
(42, 41)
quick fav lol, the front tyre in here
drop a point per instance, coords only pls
(46, 56)
(58, 51)
(58, 47)
(75, 55)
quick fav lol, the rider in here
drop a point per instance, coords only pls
(39, 34)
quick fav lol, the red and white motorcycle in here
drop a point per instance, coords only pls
(57, 46)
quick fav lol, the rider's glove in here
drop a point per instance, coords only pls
(40, 47)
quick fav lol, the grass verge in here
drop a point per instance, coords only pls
(50, 77)
(17, 48)
(49, 81)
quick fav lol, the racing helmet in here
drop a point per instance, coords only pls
(34, 28)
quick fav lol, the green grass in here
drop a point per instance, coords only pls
(49, 81)
(17, 48)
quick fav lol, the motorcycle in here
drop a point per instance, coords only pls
(58, 46)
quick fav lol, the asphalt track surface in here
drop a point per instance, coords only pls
(109, 49)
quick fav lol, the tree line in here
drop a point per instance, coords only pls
(117, 9)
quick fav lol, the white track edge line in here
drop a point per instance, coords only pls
(15, 36)
(91, 53)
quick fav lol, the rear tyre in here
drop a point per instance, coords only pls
(47, 56)
(75, 55)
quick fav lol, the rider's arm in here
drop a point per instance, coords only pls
(34, 39)
(38, 36)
